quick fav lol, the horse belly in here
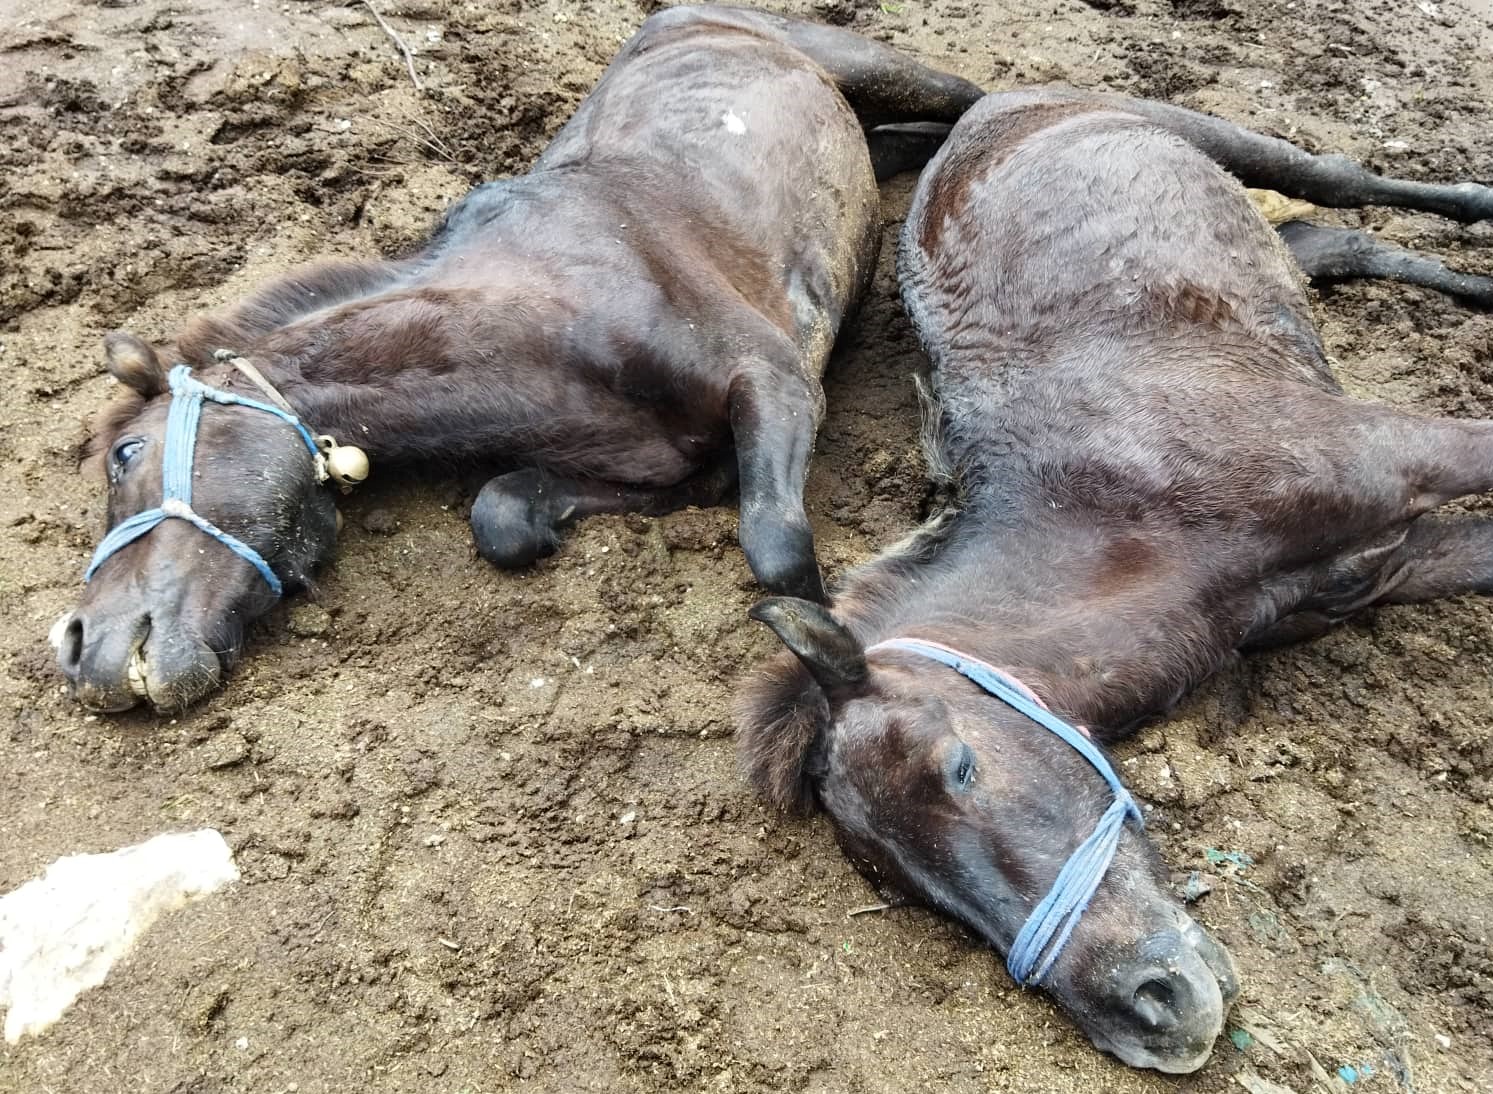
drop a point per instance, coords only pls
(742, 148)
(635, 415)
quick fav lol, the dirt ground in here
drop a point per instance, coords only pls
(490, 826)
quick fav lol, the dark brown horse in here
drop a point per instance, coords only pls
(637, 321)
(1153, 467)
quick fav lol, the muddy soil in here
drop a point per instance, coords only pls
(490, 826)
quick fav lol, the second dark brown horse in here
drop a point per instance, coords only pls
(1152, 468)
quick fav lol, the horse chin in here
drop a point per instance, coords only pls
(172, 673)
(99, 701)
(1136, 1056)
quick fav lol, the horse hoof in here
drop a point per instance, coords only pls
(512, 529)
(783, 561)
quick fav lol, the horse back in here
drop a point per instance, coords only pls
(1050, 229)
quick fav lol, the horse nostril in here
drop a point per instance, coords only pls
(70, 649)
(1155, 1001)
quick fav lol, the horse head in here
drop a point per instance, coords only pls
(215, 508)
(943, 793)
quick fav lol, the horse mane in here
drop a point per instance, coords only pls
(290, 297)
(297, 294)
(779, 712)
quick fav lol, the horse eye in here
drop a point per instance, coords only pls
(127, 450)
(964, 769)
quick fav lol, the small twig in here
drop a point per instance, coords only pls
(409, 58)
(436, 149)
(870, 908)
(445, 150)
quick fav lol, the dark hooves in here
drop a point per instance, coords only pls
(783, 561)
(512, 520)
(1477, 201)
(1475, 292)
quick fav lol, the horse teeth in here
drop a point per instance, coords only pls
(136, 674)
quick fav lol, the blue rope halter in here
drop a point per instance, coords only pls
(1047, 929)
(187, 397)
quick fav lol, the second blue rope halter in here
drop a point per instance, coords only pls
(1046, 931)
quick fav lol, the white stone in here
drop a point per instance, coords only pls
(61, 933)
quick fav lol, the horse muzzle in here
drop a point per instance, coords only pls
(115, 662)
(1169, 1002)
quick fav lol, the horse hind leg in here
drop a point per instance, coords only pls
(519, 517)
(899, 148)
(882, 85)
(1337, 254)
(1330, 181)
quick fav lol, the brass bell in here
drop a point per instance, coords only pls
(347, 465)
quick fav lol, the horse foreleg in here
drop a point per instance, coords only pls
(1436, 557)
(1335, 254)
(1372, 521)
(774, 416)
(1300, 626)
(518, 517)
(1395, 465)
(1356, 477)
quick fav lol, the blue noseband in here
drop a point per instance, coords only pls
(187, 397)
(1052, 921)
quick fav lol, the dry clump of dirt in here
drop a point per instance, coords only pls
(490, 826)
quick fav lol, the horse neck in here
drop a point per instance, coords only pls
(1105, 626)
(410, 373)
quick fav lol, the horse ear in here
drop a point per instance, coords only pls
(834, 657)
(133, 363)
